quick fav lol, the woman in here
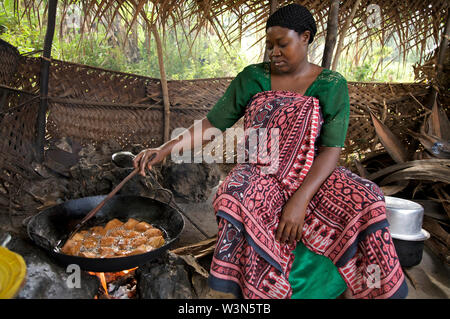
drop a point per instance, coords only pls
(309, 229)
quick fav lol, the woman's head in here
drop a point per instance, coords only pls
(289, 31)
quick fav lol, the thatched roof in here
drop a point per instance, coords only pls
(411, 22)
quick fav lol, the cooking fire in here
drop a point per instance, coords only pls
(116, 285)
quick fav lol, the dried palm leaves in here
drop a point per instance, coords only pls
(390, 142)
(428, 176)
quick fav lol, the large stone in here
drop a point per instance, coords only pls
(47, 280)
(176, 277)
(190, 182)
(164, 278)
(97, 174)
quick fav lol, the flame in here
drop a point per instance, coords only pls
(103, 281)
(106, 278)
(128, 270)
(101, 276)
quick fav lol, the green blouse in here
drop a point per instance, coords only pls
(312, 276)
(330, 88)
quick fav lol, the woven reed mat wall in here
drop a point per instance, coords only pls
(17, 125)
(18, 115)
(17, 132)
(398, 105)
(95, 105)
(9, 60)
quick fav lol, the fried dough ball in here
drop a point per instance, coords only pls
(113, 224)
(107, 241)
(131, 234)
(123, 243)
(156, 241)
(142, 226)
(152, 232)
(142, 249)
(130, 224)
(106, 252)
(77, 237)
(135, 242)
(90, 242)
(98, 230)
(118, 233)
(71, 247)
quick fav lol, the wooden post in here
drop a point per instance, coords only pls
(342, 35)
(3, 96)
(273, 7)
(164, 87)
(440, 61)
(45, 69)
(330, 41)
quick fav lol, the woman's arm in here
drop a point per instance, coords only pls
(293, 215)
(185, 140)
(226, 112)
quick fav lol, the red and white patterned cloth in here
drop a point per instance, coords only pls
(345, 220)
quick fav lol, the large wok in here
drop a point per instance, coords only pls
(53, 224)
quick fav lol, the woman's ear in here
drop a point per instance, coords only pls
(305, 36)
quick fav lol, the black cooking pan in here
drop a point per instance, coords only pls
(53, 224)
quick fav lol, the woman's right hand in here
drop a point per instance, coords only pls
(147, 158)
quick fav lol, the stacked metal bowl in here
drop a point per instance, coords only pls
(405, 219)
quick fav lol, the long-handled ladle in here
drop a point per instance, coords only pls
(98, 207)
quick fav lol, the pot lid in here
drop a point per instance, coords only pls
(12, 273)
(396, 203)
(421, 236)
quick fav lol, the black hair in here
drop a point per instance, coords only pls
(295, 17)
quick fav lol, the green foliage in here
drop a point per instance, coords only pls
(25, 37)
(360, 73)
(204, 58)
(381, 64)
(90, 51)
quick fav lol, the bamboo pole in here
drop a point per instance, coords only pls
(330, 41)
(440, 61)
(273, 4)
(342, 35)
(45, 69)
(164, 86)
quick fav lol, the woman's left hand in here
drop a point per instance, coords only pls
(294, 211)
(291, 222)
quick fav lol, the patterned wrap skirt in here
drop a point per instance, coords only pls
(345, 220)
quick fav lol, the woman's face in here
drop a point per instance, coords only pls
(286, 48)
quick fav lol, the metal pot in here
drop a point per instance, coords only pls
(123, 159)
(405, 223)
